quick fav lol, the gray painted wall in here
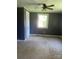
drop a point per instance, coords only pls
(22, 23)
(54, 24)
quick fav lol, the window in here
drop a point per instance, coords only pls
(42, 21)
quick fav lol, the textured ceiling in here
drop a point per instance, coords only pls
(37, 8)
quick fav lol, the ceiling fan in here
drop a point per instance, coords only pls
(44, 6)
(47, 6)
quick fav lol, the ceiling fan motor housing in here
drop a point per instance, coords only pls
(44, 6)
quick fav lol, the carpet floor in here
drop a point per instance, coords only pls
(39, 48)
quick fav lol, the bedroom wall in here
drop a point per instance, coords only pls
(22, 23)
(54, 24)
(26, 23)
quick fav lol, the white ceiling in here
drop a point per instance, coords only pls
(37, 8)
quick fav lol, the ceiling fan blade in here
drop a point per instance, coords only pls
(50, 5)
(50, 8)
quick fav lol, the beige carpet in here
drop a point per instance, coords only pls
(39, 48)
